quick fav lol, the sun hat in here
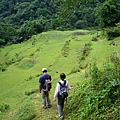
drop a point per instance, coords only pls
(44, 69)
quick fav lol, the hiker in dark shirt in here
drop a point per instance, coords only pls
(43, 88)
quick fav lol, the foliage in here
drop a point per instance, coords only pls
(65, 49)
(25, 17)
(94, 38)
(2, 68)
(80, 24)
(22, 19)
(6, 31)
(111, 33)
(4, 107)
(25, 111)
(46, 50)
(31, 92)
(108, 13)
(85, 51)
(102, 100)
(30, 28)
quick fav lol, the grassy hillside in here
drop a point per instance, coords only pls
(59, 51)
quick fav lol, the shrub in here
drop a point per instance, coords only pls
(80, 24)
(75, 70)
(4, 107)
(113, 32)
(98, 97)
(31, 92)
(85, 51)
(65, 49)
(2, 68)
(94, 38)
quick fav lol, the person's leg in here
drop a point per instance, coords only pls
(48, 99)
(43, 99)
(60, 111)
(62, 104)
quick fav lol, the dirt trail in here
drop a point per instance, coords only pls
(45, 114)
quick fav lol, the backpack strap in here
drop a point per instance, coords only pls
(62, 84)
(46, 76)
(65, 86)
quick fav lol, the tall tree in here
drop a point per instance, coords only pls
(108, 13)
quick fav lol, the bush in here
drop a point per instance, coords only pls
(4, 107)
(2, 68)
(94, 38)
(65, 49)
(85, 51)
(31, 92)
(80, 24)
(2, 42)
(98, 97)
(113, 32)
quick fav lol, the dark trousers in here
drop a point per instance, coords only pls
(60, 105)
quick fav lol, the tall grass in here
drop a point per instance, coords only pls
(25, 111)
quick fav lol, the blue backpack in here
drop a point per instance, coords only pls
(63, 90)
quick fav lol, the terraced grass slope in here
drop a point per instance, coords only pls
(59, 51)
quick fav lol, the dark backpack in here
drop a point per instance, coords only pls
(63, 90)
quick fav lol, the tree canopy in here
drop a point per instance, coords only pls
(24, 18)
(108, 13)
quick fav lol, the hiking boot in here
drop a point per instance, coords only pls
(57, 117)
(49, 106)
(61, 117)
(44, 107)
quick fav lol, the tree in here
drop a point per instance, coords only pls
(30, 28)
(6, 32)
(108, 13)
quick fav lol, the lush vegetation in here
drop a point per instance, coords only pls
(102, 100)
(92, 68)
(20, 19)
(89, 57)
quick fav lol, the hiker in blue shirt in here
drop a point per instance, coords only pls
(60, 99)
(44, 88)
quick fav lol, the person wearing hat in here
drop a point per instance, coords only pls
(42, 88)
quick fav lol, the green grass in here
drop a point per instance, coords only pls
(59, 52)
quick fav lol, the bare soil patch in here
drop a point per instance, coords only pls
(78, 33)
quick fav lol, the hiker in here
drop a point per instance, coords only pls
(57, 96)
(45, 88)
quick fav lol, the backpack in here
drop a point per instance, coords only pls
(47, 85)
(63, 90)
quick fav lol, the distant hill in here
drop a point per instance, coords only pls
(72, 52)
(20, 19)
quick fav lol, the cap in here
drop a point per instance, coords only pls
(44, 69)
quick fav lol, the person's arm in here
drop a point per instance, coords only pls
(40, 84)
(68, 86)
(40, 87)
(50, 77)
(56, 92)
